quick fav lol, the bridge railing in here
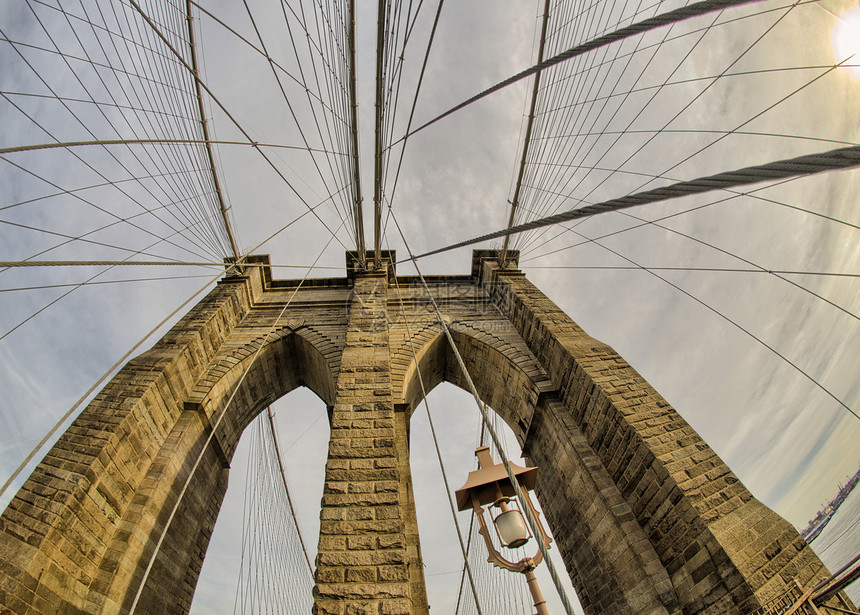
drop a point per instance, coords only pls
(826, 596)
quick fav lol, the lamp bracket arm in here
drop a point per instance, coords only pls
(493, 555)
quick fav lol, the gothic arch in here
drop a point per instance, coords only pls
(505, 373)
(80, 533)
(608, 557)
(249, 381)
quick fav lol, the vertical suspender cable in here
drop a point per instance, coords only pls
(466, 568)
(377, 158)
(532, 522)
(529, 126)
(206, 138)
(287, 489)
(353, 95)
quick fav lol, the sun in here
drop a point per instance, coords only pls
(846, 40)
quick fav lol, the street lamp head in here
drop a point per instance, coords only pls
(491, 484)
(490, 481)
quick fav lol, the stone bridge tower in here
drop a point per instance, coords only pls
(647, 518)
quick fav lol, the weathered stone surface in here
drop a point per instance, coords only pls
(647, 518)
(368, 476)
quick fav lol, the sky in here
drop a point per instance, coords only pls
(727, 349)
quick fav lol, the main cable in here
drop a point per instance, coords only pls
(844, 158)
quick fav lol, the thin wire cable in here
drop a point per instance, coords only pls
(432, 37)
(248, 43)
(273, 433)
(565, 149)
(187, 141)
(102, 282)
(125, 193)
(273, 577)
(705, 269)
(466, 566)
(100, 263)
(98, 383)
(353, 121)
(215, 426)
(286, 98)
(755, 116)
(758, 268)
(528, 134)
(496, 441)
(66, 294)
(77, 77)
(692, 10)
(737, 325)
(217, 101)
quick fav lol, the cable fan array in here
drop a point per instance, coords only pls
(275, 575)
(96, 79)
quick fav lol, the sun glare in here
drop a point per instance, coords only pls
(846, 40)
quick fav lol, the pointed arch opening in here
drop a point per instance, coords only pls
(509, 380)
(240, 383)
(234, 555)
(506, 376)
(458, 426)
(581, 507)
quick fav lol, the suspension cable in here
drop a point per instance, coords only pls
(526, 140)
(207, 139)
(844, 158)
(377, 153)
(353, 119)
(448, 491)
(733, 195)
(107, 263)
(217, 423)
(760, 270)
(79, 119)
(533, 524)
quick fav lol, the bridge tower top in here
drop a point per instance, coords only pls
(646, 516)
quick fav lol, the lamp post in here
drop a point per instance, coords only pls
(490, 484)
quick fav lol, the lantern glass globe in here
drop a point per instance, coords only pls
(512, 529)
